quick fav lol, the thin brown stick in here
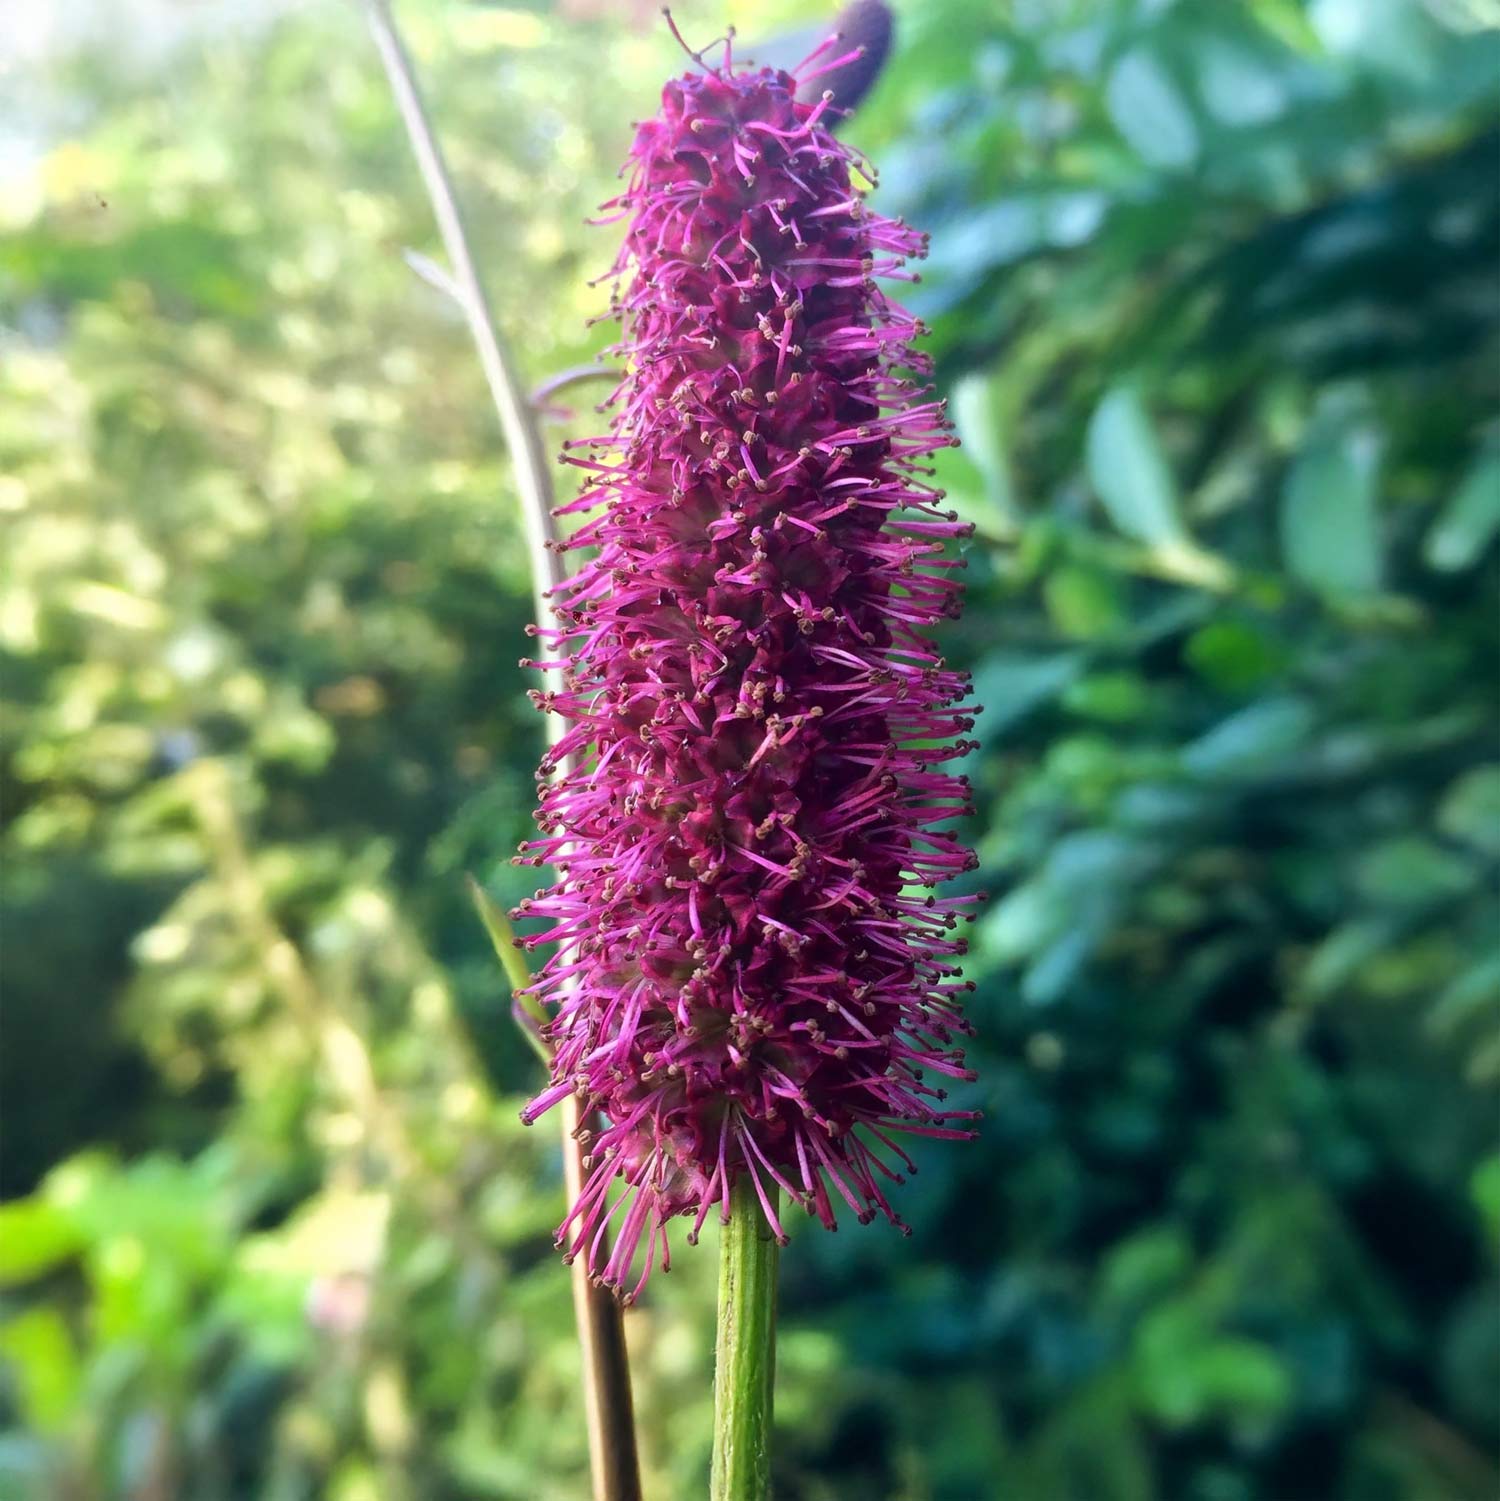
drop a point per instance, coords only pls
(601, 1335)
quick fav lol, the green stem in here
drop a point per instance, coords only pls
(745, 1360)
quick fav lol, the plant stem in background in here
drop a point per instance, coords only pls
(522, 437)
(745, 1355)
(601, 1335)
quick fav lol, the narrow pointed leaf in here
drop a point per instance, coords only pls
(531, 1015)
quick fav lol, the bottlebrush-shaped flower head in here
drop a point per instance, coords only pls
(752, 972)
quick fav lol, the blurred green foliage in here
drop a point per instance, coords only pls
(1213, 289)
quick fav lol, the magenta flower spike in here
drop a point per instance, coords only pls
(754, 978)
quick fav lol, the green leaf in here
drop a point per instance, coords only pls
(1329, 531)
(1234, 655)
(1164, 1346)
(1469, 521)
(1115, 697)
(1238, 87)
(1084, 601)
(1390, 35)
(1484, 1191)
(1128, 470)
(1470, 810)
(38, 1344)
(1149, 111)
(1410, 871)
(1252, 742)
(1187, 1369)
(1011, 687)
(1243, 1377)
(1147, 1264)
(1472, 994)
(503, 939)
(501, 935)
(1052, 975)
(977, 414)
(1023, 923)
(1343, 953)
(35, 1237)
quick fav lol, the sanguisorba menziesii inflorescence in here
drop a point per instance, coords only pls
(752, 973)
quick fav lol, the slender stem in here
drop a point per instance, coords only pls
(507, 389)
(745, 1358)
(601, 1334)
(601, 1337)
(574, 375)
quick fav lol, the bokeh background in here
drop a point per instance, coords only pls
(1214, 293)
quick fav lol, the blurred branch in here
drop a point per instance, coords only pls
(601, 1335)
(574, 376)
(1467, 1467)
(332, 1037)
(434, 275)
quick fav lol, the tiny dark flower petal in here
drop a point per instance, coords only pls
(864, 29)
(752, 974)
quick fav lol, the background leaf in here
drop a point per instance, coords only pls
(1129, 472)
(1150, 112)
(1329, 527)
(1470, 520)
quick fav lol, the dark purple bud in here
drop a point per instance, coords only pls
(864, 28)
